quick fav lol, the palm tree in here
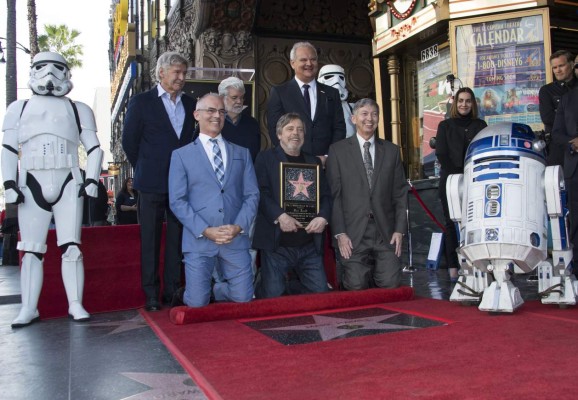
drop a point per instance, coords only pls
(32, 31)
(60, 39)
(11, 83)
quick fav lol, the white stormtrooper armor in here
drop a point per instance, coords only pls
(334, 76)
(42, 134)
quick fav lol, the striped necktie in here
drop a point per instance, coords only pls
(218, 161)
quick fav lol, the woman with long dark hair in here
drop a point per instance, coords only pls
(452, 140)
(126, 204)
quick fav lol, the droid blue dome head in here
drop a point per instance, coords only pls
(506, 139)
(49, 75)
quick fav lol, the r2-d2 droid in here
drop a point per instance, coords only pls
(501, 205)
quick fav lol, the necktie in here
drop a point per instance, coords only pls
(367, 162)
(218, 160)
(307, 99)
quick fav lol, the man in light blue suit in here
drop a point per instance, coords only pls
(213, 191)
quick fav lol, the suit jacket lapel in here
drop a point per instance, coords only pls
(358, 159)
(187, 125)
(321, 100)
(230, 156)
(205, 162)
(300, 99)
(161, 110)
(379, 160)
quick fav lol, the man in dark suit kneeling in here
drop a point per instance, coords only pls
(287, 245)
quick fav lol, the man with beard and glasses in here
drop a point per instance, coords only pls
(240, 127)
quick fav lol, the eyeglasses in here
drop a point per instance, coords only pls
(213, 111)
(576, 66)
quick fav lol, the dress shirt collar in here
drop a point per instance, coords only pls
(162, 92)
(204, 138)
(312, 85)
(362, 141)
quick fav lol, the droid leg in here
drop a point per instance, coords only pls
(502, 295)
(31, 277)
(556, 284)
(471, 284)
(73, 279)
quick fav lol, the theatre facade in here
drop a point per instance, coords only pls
(424, 49)
(399, 52)
(250, 39)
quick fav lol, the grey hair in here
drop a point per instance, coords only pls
(233, 83)
(285, 120)
(167, 59)
(201, 101)
(363, 103)
(298, 45)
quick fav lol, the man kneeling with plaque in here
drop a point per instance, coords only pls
(294, 208)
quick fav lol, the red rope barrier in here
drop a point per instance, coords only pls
(426, 209)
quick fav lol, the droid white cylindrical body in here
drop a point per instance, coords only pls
(504, 217)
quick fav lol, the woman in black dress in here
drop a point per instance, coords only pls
(452, 140)
(126, 204)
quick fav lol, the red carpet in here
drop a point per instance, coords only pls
(112, 272)
(528, 355)
(287, 305)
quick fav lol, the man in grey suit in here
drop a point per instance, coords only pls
(318, 105)
(369, 192)
(213, 192)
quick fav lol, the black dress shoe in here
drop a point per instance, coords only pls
(178, 297)
(152, 305)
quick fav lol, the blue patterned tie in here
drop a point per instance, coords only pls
(218, 160)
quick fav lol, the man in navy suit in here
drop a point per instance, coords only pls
(318, 105)
(286, 245)
(156, 123)
(565, 134)
(213, 192)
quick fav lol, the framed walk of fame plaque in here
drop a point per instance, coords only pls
(300, 191)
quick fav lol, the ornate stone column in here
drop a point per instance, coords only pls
(393, 71)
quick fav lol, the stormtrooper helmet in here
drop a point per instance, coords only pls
(49, 75)
(334, 75)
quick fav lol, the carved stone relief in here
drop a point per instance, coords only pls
(315, 17)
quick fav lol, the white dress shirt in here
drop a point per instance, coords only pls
(312, 94)
(208, 147)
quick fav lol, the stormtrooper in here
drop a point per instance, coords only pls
(502, 204)
(41, 137)
(334, 76)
